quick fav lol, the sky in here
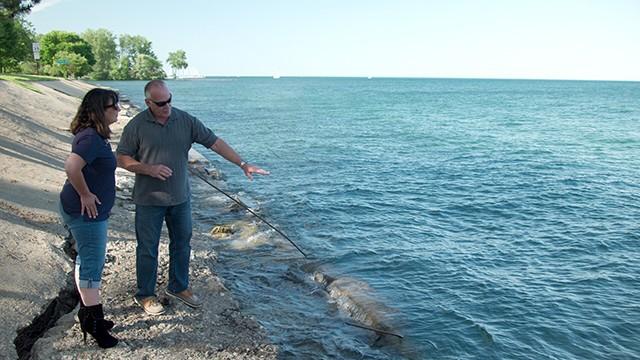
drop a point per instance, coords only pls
(523, 39)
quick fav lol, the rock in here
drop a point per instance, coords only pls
(220, 231)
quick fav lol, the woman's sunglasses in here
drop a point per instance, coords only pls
(114, 105)
(162, 103)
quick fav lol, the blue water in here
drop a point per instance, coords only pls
(483, 219)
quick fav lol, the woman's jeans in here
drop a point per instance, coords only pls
(148, 228)
(91, 243)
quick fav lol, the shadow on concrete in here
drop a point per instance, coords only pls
(28, 153)
(60, 86)
(35, 126)
(28, 197)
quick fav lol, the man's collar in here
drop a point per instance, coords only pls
(152, 118)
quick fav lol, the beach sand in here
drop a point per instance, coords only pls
(35, 269)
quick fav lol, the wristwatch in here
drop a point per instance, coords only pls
(242, 164)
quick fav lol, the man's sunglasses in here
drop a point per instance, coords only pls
(162, 103)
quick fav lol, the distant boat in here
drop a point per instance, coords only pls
(276, 76)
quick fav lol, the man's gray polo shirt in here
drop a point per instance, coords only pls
(151, 143)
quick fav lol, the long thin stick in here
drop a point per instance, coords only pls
(373, 329)
(248, 209)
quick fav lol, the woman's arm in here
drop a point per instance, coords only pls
(73, 166)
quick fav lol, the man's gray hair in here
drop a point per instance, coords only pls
(151, 84)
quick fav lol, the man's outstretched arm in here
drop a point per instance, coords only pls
(223, 149)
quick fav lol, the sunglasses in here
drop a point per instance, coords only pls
(162, 103)
(114, 105)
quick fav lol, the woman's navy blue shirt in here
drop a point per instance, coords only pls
(99, 174)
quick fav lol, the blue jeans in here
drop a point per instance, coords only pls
(148, 228)
(91, 243)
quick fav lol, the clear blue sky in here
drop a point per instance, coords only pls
(539, 39)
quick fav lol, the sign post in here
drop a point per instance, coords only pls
(36, 55)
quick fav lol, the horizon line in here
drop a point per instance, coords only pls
(371, 77)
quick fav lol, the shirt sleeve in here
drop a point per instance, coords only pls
(87, 146)
(128, 144)
(202, 134)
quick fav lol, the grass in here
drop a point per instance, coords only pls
(24, 80)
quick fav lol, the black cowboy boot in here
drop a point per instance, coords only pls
(83, 311)
(92, 322)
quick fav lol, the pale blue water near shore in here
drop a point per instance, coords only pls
(482, 219)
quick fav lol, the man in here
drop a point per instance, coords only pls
(155, 145)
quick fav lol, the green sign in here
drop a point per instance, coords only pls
(62, 61)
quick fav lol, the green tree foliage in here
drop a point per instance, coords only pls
(69, 54)
(134, 59)
(67, 63)
(134, 45)
(177, 60)
(147, 67)
(56, 41)
(103, 47)
(16, 36)
(121, 69)
(137, 54)
(10, 9)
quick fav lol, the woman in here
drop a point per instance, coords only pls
(85, 202)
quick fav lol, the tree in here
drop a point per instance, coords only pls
(134, 45)
(68, 63)
(56, 41)
(16, 36)
(147, 67)
(137, 55)
(10, 9)
(121, 69)
(177, 60)
(103, 47)
(15, 33)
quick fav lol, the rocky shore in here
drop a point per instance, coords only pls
(36, 264)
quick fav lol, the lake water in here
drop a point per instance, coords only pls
(479, 219)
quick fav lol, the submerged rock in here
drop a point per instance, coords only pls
(219, 231)
(354, 298)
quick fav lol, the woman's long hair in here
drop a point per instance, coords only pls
(91, 112)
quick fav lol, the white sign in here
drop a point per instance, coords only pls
(36, 51)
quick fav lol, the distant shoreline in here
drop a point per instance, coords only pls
(365, 77)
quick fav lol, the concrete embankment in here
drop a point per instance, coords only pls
(35, 266)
